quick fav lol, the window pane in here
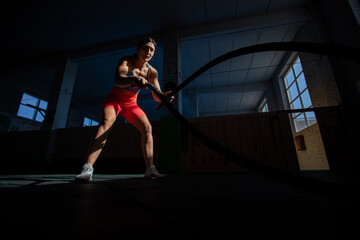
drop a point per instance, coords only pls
(87, 122)
(305, 98)
(294, 115)
(26, 112)
(296, 104)
(310, 117)
(292, 92)
(300, 122)
(43, 104)
(39, 117)
(27, 99)
(289, 78)
(265, 108)
(301, 82)
(297, 67)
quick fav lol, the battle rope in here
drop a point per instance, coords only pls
(310, 184)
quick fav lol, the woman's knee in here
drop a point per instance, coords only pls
(147, 130)
(108, 122)
(109, 118)
(143, 126)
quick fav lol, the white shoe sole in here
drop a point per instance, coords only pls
(153, 177)
(83, 179)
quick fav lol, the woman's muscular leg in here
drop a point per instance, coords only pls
(144, 127)
(102, 134)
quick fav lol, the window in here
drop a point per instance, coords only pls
(32, 108)
(298, 95)
(264, 107)
(89, 122)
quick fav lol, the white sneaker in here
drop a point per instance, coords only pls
(86, 173)
(152, 173)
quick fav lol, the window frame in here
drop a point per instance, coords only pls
(301, 92)
(36, 108)
(91, 122)
(264, 107)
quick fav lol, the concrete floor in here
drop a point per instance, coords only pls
(180, 206)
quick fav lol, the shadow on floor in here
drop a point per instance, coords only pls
(181, 206)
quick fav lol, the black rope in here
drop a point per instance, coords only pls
(310, 184)
(352, 53)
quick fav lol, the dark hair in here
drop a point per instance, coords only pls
(145, 40)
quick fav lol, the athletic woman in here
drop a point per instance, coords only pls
(131, 75)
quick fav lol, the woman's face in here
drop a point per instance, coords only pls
(146, 51)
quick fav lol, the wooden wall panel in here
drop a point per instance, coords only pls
(264, 137)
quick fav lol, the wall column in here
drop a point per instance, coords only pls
(60, 98)
(172, 67)
(169, 154)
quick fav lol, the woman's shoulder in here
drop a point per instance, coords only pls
(152, 69)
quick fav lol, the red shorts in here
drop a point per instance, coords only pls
(125, 103)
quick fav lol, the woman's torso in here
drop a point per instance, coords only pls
(133, 72)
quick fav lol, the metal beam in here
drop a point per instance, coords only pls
(223, 113)
(246, 87)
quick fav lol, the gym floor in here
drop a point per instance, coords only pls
(180, 206)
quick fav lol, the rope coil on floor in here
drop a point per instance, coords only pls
(296, 180)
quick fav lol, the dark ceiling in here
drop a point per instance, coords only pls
(208, 28)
